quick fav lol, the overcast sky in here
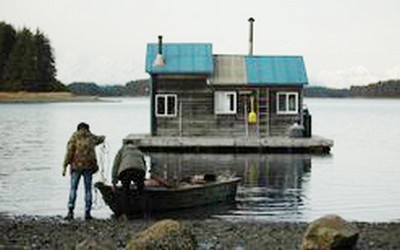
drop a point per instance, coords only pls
(344, 42)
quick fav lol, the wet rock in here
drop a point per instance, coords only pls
(165, 234)
(330, 232)
(91, 244)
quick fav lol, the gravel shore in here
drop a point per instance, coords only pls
(28, 232)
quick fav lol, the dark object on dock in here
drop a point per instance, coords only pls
(296, 131)
(160, 199)
(307, 123)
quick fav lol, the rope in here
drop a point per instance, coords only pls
(103, 160)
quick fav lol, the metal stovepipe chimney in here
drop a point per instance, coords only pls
(159, 60)
(251, 21)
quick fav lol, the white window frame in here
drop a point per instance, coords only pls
(287, 97)
(222, 102)
(165, 113)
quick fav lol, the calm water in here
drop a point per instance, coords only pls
(360, 180)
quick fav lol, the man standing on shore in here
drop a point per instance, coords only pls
(81, 157)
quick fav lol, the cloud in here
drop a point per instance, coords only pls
(344, 78)
(357, 75)
(393, 73)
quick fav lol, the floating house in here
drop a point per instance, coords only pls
(206, 101)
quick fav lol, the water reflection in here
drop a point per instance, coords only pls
(271, 187)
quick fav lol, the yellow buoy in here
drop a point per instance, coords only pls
(252, 117)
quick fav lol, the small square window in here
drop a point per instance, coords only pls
(287, 103)
(166, 105)
(225, 102)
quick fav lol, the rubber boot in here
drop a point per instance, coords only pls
(88, 216)
(70, 215)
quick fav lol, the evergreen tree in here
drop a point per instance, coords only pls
(30, 63)
(7, 40)
(45, 61)
(21, 68)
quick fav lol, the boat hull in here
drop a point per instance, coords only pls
(160, 199)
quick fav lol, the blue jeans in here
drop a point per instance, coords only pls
(75, 178)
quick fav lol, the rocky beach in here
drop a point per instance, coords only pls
(31, 232)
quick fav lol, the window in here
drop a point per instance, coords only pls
(225, 102)
(287, 102)
(166, 105)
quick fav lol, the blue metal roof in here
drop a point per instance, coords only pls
(181, 58)
(258, 70)
(275, 70)
(197, 58)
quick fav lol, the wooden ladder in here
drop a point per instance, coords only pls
(263, 109)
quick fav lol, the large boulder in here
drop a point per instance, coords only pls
(165, 234)
(330, 232)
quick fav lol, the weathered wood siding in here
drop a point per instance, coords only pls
(194, 98)
(280, 123)
(196, 117)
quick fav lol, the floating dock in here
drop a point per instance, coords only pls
(209, 144)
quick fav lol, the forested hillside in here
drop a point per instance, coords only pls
(383, 89)
(389, 88)
(26, 61)
(317, 91)
(132, 88)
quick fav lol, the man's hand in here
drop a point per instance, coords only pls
(64, 171)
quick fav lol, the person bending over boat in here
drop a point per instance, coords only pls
(129, 166)
(81, 157)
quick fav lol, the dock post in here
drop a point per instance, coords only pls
(180, 119)
(246, 123)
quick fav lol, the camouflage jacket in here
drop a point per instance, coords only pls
(128, 157)
(81, 150)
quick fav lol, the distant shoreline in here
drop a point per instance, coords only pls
(44, 97)
(52, 97)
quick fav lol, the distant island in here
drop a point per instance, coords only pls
(132, 88)
(382, 89)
